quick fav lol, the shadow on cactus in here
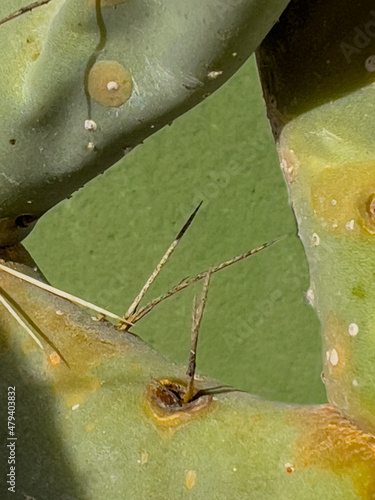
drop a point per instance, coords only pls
(92, 411)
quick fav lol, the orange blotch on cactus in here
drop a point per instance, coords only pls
(343, 199)
(331, 442)
(109, 84)
(54, 358)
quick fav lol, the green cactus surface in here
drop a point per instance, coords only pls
(84, 81)
(99, 414)
(105, 426)
(323, 121)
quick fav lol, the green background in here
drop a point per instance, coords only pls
(102, 244)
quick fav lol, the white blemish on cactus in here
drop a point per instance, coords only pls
(353, 329)
(334, 203)
(350, 225)
(59, 313)
(144, 458)
(288, 162)
(112, 85)
(333, 357)
(75, 407)
(315, 239)
(355, 383)
(212, 75)
(90, 125)
(90, 146)
(370, 64)
(289, 468)
(310, 297)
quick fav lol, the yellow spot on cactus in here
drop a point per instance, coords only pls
(109, 84)
(144, 458)
(190, 479)
(33, 48)
(54, 359)
(353, 188)
(331, 442)
(90, 427)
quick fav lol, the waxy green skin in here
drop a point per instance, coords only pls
(324, 125)
(89, 432)
(177, 54)
(329, 197)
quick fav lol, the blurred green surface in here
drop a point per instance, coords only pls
(102, 244)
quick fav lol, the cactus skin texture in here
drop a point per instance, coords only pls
(106, 426)
(62, 65)
(319, 88)
(100, 429)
